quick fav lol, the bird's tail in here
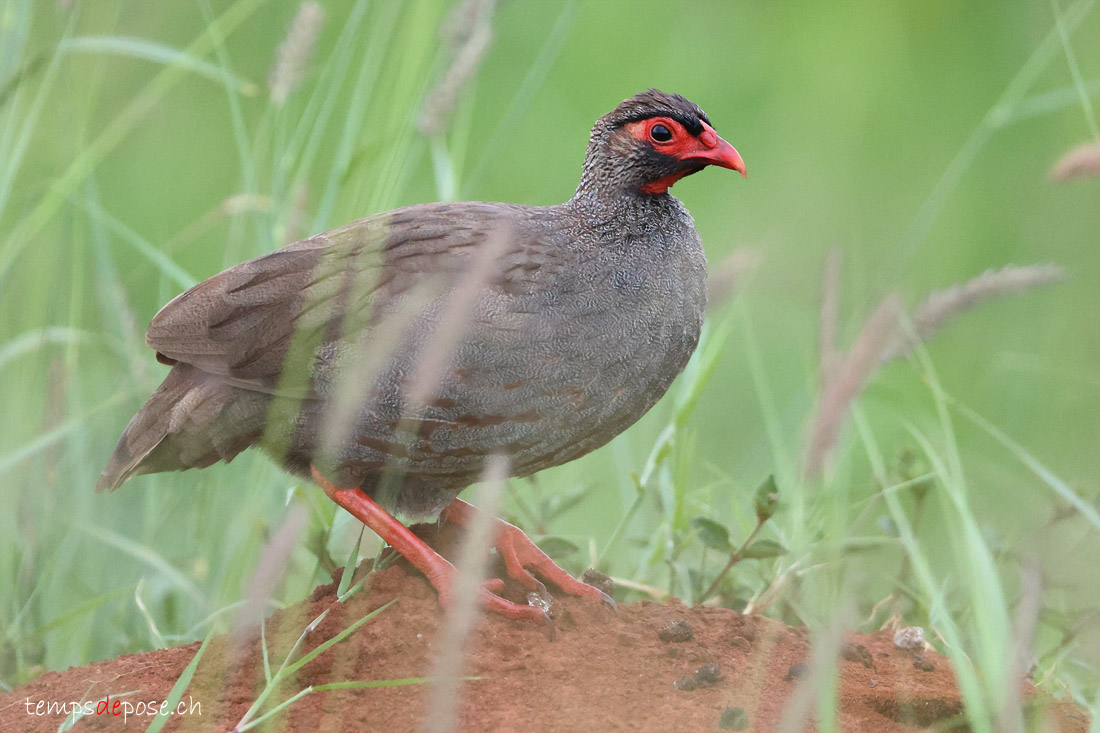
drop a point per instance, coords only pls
(193, 420)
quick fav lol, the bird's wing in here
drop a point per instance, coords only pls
(241, 324)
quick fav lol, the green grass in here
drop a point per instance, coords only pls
(140, 152)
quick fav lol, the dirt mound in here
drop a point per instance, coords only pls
(635, 670)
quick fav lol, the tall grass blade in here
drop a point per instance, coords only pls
(176, 693)
(140, 48)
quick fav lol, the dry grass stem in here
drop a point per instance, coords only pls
(830, 315)
(944, 305)
(843, 376)
(465, 605)
(371, 349)
(270, 568)
(364, 361)
(469, 30)
(1080, 162)
(728, 275)
(776, 588)
(846, 383)
(241, 203)
(295, 51)
(1023, 646)
(458, 309)
(799, 710)
(294, 226)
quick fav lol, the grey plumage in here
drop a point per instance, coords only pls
(587, 312)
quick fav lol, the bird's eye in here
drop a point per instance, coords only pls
(660, 134)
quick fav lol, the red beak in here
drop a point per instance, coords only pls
(713, 150)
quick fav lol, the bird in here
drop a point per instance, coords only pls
(391, 358)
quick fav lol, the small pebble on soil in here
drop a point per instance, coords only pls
(910, 638)
(922, 664)
(856, 653)
(538, 600)
(686, 684)
(678, 630)
(797, 671)
(595, 578)
(733, 719)
(706, 676)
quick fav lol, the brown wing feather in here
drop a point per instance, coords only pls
(240, 324)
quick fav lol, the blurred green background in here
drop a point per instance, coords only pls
(141, 151)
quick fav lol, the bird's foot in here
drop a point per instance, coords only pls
(435, 567)
(520, 553)
(491, 600)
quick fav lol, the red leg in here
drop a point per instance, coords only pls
(520, 553)
(438, 571)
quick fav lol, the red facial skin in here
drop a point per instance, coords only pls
(705, 149)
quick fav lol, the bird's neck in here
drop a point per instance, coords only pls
(613, 184)
(620, 210)
(610, 196)
(605, 178)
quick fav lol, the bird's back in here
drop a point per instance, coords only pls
(424, 340)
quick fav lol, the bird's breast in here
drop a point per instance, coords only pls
(541, 374)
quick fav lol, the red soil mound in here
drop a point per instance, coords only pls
(605, 671)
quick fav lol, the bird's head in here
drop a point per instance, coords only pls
(652, 140)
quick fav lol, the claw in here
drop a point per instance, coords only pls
(520, 553)
(595, 578)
